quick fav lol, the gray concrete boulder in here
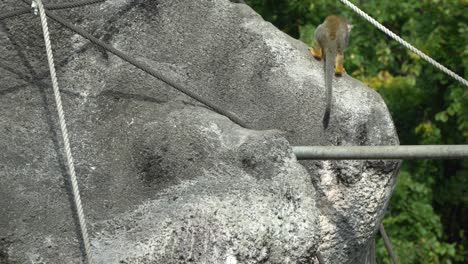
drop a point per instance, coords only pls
(163, 178)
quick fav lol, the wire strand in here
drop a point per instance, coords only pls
(63, 128)
(388, 244)
(405, 43)
(146, 68)
(26, 10)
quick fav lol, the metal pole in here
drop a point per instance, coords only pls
(381, 152)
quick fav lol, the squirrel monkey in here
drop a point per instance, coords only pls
(330, 39)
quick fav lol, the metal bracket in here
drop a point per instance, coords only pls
(34, 7)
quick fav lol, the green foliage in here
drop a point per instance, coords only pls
(414, 229)
(428, 215)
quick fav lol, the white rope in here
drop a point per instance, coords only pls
(63, 128)
(404, 43)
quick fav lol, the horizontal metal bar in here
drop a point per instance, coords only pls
(381, 152)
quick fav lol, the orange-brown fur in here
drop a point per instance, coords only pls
(330, 40)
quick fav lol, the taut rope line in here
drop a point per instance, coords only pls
(63, 128)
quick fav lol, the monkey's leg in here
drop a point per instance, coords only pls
(316, 51)
(339, 68)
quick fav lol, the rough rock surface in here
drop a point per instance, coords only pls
(164, 179)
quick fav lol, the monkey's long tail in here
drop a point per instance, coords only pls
(329, 69)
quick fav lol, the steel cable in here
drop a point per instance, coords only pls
(50, 7)
(146, 68)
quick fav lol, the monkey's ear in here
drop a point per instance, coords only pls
(350, 26)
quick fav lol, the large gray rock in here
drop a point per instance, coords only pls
(164, 179)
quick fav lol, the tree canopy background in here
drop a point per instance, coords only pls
(427, 218)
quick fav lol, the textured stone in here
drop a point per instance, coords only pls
(164, 179)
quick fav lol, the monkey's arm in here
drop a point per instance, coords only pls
(317, 50)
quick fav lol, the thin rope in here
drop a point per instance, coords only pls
(388, 245)
(50, 7)
(146, 68)
(15, 13)
(72, 4)
(63, 128)
(404, 43)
